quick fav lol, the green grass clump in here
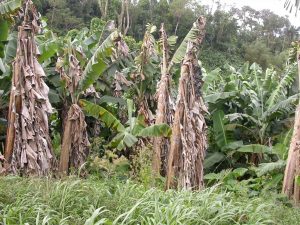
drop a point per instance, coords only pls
(88, 202)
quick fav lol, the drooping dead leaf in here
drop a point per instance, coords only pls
(119, 81)
(75, 143)
(188, 141)
(28, 146)
(164, 112)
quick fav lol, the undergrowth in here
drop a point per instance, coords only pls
(93, 201)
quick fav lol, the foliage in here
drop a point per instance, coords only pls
(141, 166)
(98, 63)
(256, 97)
(93, 201)
(251, 106)
(127, 136)
(110, 165)
(250, 111)
(229, 32)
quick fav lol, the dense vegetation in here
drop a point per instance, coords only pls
(232, 36)
(93, 201)
(204, 105)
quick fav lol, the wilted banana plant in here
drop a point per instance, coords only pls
(291, 182)
(28, 146)
(161, 145)
(75, 143)
(188, 141)
(165, 108)
(8, 41)
(144, 73)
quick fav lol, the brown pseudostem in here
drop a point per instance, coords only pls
(28, 146)
(163, 112)
(292, 170)
(188, 141)
(75, 143)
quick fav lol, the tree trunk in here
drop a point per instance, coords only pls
(292, 170)
(127, 22)
(103, 5)
(28, 146)
(121, 16)
(123, 19)
(163, 112)
(188, 141)
(177, 23)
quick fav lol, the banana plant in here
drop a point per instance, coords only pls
(28, 150)
(189, 140)
(266, 100)
(255, 98)
(129, 133)
(169, 68)
(249, 108)
(143, 74)
(75, 143)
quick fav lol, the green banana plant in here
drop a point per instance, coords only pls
(249, 109)
(128, 134)
(256, 98)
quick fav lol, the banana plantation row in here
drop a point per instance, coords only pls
(89, 83)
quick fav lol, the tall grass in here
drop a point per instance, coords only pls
(73, 201)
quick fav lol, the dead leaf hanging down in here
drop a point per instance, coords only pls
(144, 110)
(119, 81)
(120, 49)
(91, 91)
(188, 142)
(75, 143)
(164, 112)
(28, 147)
(147, 51)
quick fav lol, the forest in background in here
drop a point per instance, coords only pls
(232, 36)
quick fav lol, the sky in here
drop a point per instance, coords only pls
(277, 6)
